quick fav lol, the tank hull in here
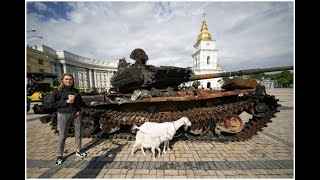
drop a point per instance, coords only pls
(214, 114)
(145, 93)
(206, 110)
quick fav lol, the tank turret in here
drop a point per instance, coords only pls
(139, 75)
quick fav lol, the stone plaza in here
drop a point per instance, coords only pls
(270, 154)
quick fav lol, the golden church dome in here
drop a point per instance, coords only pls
(205, 35)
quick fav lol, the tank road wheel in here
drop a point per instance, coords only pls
(230, 124)
(89, 126)
(200, 130)
(108, 127)
(261, 110)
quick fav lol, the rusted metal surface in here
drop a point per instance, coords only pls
(231, 123)
(239, 84)
(204, 94)
(139, 56)
(183, 96)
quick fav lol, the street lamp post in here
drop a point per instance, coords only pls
(31, 38)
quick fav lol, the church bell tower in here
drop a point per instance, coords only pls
(205, 57)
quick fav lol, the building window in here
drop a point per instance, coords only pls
(61, 69)
(40, 61)
(208, 60)
(41, 70)
(209, 85)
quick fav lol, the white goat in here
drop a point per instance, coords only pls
(165, 130)
(148, 141)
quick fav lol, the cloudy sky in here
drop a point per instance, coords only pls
(247, 34)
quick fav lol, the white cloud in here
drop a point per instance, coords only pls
(247, 34)
(40, 6)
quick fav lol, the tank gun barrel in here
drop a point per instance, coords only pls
(239, 73)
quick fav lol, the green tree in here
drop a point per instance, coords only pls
(285, 78)
(56, 82)
(259, 76)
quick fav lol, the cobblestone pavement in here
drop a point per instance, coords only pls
(267, 155)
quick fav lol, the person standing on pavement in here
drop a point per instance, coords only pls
(68, 102)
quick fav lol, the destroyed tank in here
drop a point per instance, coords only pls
(146, 93)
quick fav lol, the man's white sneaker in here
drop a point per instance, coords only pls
(81, 154)
(59, 160)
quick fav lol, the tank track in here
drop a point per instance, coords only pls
(202, 117)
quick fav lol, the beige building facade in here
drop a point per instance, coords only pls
(88, 73)
(38, 61)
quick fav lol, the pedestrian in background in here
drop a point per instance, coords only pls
(68, 102)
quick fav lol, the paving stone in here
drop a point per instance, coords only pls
(146, 165)
(140, 165)
(159, 165)
(248, 165)
(236, 165)
(105, 165)
(199, 165)
(142, 171)
(217, 165)
(152, 165)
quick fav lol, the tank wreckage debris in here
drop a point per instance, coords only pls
(145, 93)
